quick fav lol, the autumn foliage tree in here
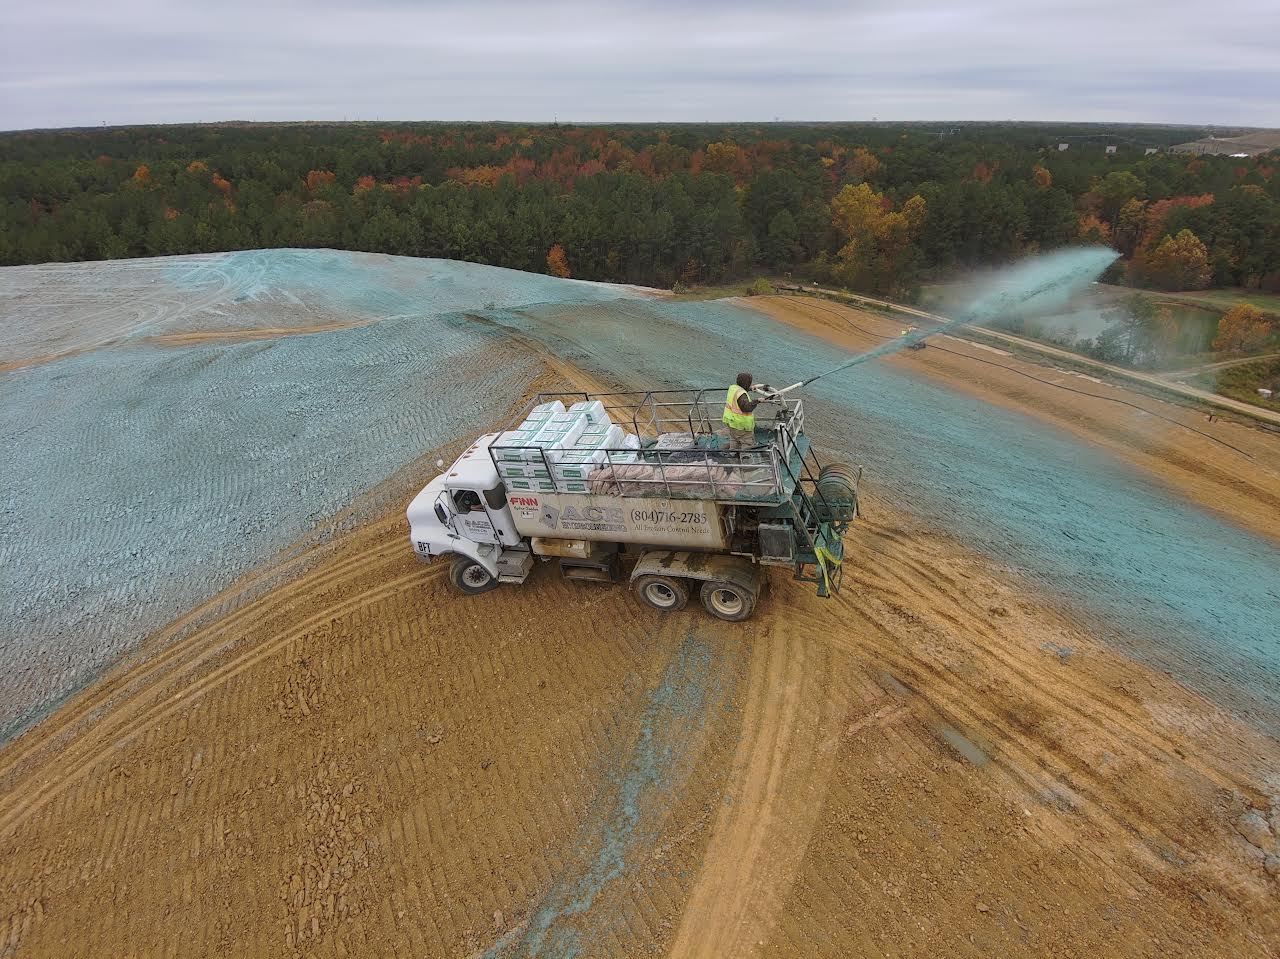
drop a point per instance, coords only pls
(1242, 329)
(878, 240)
(317, 180)
(862, 164)
(1179, 263)
(557, 262)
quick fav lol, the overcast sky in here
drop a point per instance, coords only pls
(87, 62)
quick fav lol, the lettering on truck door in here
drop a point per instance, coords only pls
(472, 517)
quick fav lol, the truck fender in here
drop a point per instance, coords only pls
(484, 554)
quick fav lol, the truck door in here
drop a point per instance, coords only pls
(471, 519)
(495, 501)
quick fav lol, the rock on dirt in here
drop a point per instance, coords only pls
(1253, 826)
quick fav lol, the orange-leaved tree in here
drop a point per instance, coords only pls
(862, 164)
(1179, 263)
(557, 262)
(1093, 229)
(1242, 329)
(878, 239)
(318, 180)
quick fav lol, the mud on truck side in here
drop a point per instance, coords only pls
(585, 480)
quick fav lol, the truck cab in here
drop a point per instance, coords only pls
(464, 511)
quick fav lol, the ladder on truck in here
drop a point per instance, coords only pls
(821, 540)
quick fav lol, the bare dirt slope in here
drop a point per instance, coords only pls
(359, 762)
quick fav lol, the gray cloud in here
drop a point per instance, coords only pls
(77, 62)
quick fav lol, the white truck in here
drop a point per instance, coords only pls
(586, 480)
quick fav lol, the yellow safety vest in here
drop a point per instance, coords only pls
(733, 418)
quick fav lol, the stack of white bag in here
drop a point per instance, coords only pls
(557, 449)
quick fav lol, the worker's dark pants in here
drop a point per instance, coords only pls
(741, 439)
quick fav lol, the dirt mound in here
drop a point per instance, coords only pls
(337, 755)
(359, 761)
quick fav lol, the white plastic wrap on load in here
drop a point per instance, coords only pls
(521, 446)
(576, 464)
(610, 438)
(562, 431)
(540, 415)
(526, 470)
(594, 411)
(518, 485)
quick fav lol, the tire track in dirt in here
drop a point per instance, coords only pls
(970, 731)
(898, 582)
(154, 702)
(155, 667)
(309, 916)
(175, 652)
(348, 764)
(790, 719)
(1122, 804)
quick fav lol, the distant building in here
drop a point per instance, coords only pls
(1150, 150)
(1111, 149)
(1063, 146)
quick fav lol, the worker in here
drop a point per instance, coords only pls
(739, 414)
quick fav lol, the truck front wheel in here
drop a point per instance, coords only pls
(728, 601)
(664, 593)
(470, 577)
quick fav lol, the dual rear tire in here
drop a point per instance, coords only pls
(669, 594)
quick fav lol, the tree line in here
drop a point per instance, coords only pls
(876, 207)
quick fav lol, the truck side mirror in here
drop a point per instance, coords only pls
(441, 514)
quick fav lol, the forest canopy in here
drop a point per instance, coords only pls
(876, 207)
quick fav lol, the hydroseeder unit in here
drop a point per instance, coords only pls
(590, 482)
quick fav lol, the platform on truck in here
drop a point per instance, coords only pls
(678, 449)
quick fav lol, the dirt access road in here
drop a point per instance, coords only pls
(357, 762)
(1164, 381)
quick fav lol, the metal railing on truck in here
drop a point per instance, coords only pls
(758, 475)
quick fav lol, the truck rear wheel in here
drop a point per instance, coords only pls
(664, 593)
(728, 601)
(470, 577)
